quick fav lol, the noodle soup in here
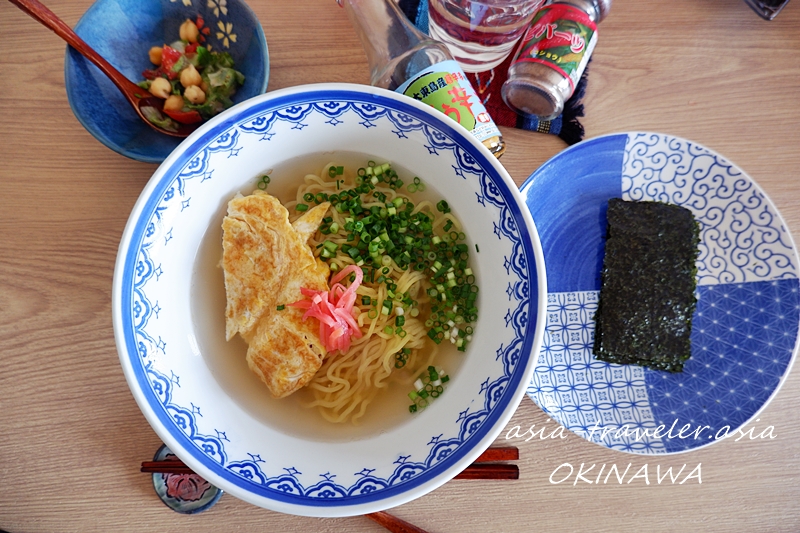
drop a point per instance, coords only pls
(390, 405)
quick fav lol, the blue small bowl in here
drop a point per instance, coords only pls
(123, 31)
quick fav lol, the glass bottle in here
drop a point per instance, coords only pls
(552, 56)
(405, 60)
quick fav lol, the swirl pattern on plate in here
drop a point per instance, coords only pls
(742, 237)
(745, 327)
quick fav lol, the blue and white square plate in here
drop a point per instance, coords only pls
(745, 327)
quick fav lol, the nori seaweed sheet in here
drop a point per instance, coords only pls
(644, 316)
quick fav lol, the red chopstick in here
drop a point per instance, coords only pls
(489, 471)
(167, 466)
(394, 524)
(498, 453)
(480, 469)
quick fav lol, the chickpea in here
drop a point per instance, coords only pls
(161, 87)
(190, 76)
(173, 103)
(155, 55)
(189, 32)
(195, 94)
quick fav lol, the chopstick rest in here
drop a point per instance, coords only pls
(180, 488)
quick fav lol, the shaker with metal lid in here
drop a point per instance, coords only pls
(552, 56)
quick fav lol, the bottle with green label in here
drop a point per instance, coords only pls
(407, 61)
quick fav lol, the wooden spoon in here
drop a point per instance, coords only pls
(138, 97)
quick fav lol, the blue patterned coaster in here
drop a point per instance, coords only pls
(744, 329)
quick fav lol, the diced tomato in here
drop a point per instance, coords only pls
(169, 56)
(151, 74)
(203, 30)
(184, 117)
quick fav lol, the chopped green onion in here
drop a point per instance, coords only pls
(383, 232)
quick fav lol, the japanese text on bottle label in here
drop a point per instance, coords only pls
(562, 37)
(445, 87)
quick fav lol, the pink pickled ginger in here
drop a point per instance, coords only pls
(335, 309)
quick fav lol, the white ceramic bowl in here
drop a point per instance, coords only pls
(195, 389)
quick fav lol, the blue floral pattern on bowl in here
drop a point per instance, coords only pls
(745, 327)
(151, 351)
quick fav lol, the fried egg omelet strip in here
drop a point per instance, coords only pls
(266, 260)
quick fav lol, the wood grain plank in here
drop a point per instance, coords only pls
(73, 435)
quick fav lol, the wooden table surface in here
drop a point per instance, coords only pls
(71, 435)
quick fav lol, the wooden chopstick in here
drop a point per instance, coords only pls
(498, 453)
(480, 469)
(473, 471)
(489, 471)
(168, 466)
(394, 524)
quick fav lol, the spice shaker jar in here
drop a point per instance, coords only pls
(552, 56)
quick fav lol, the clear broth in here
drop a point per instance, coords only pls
(226, 359)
